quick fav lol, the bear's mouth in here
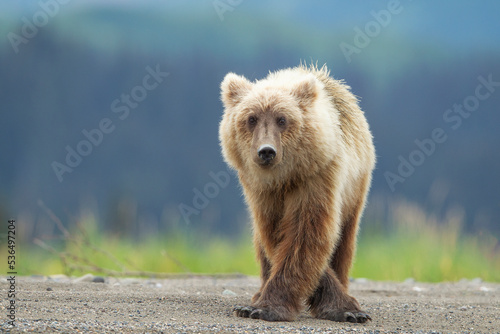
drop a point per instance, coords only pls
(266, 164)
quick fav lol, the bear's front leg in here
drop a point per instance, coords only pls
(298, 262)
(274, 314)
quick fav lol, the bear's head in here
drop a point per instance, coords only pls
(276, 126)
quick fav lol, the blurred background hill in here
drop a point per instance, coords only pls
(63, 65)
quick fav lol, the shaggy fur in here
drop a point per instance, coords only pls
(307, 199)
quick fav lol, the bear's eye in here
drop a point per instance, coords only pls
(281, 121)
(252, 120)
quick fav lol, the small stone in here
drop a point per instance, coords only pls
(49, 289)
(228, 293)
(98, 279)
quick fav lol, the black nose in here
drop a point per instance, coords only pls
(267, 153)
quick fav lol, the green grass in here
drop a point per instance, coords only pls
(433, 256)
(171, 253)
(412, 245)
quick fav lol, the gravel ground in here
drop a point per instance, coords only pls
(59, 304)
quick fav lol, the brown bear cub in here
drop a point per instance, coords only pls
(304, 156)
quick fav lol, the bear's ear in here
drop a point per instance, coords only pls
(306, 91)
(233, 89)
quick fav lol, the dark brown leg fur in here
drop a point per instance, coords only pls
(341, 260)
(265, 270)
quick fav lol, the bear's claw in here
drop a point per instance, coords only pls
(243, 311)
(347, 316)
(357, 317)
(257, 313)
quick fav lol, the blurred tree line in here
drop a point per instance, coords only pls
(64, 80)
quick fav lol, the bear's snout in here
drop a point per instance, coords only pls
(266, 153)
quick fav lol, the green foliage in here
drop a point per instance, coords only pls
(88, 250)
(412, 244)
(431, 257)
